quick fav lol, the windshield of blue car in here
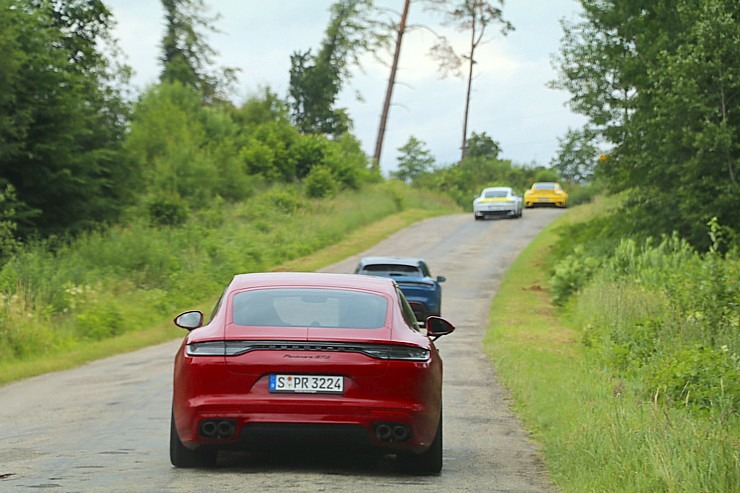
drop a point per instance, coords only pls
(309, 307)
(491, 194)
(392, 270)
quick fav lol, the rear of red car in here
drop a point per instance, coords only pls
(365, 376)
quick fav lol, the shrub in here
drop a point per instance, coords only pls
(167, 211)
(570, 274)
(99, 320)
(285, 201)
(320, 183)
(696, 377)
(664, 316)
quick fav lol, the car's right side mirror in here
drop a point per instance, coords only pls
(438, 327)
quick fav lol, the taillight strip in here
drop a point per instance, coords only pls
(378, 351)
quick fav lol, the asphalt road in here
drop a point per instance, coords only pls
(104, 427)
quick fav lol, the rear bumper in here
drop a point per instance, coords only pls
(498, 213)
(210, 396)
(262, 424)
(549, 201)
(496, 210)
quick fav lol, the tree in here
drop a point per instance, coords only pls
(441, 51)
(191, 150)
(391, 84)
(577, 156)
(658, 85)
(63, 120)
(474, 16)
(316, 80)
(314, 88)
(186, 56)
(415, 159)
(482, 146)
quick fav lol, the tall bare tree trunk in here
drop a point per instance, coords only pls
(389, 90)
(471, 61)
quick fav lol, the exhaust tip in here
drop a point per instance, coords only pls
(217, 428)
(401, 433)
(392, 432)
(384, 432)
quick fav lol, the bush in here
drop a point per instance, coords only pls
(100, 320)
(320, 183)
(581, 194)
(570, 274)
(664, 316)
(167, 211)
(285, 200)
(696, 377)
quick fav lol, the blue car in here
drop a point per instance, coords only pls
(412, 275)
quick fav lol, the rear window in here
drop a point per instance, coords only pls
(491, 194)
(309, 307)
(544, 186)
(392, 270)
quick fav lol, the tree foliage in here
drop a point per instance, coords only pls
(186, 149)
(414, 160)
(199, 153)
(482, 146)
(187, 57)
(63, 120)
(317, 79)
(577, 156)
(660, 82)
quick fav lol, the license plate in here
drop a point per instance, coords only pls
(544, 199)
(306, 384)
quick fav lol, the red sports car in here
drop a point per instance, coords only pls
(309, 356)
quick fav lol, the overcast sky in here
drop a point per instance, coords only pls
(510, 101)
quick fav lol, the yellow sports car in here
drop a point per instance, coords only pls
(545, 194)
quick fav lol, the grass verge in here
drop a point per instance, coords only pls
(596, 435)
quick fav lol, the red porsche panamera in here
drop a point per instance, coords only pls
(309, 356)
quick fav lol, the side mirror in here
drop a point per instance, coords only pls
(189, 320)
(438, 327)
(441, 278)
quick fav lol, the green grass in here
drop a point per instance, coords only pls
(597, 433)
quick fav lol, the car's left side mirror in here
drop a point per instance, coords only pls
(189, 320)
(441, 278)
(438, 327)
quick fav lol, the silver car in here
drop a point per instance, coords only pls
(497, 201)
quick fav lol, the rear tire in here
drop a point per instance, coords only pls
(429, 462)
(181, 456)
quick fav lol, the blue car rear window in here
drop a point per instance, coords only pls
(391, 270)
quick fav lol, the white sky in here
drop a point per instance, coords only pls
(509, 100)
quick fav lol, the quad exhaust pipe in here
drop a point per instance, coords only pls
(217, 428)
(392, 432)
